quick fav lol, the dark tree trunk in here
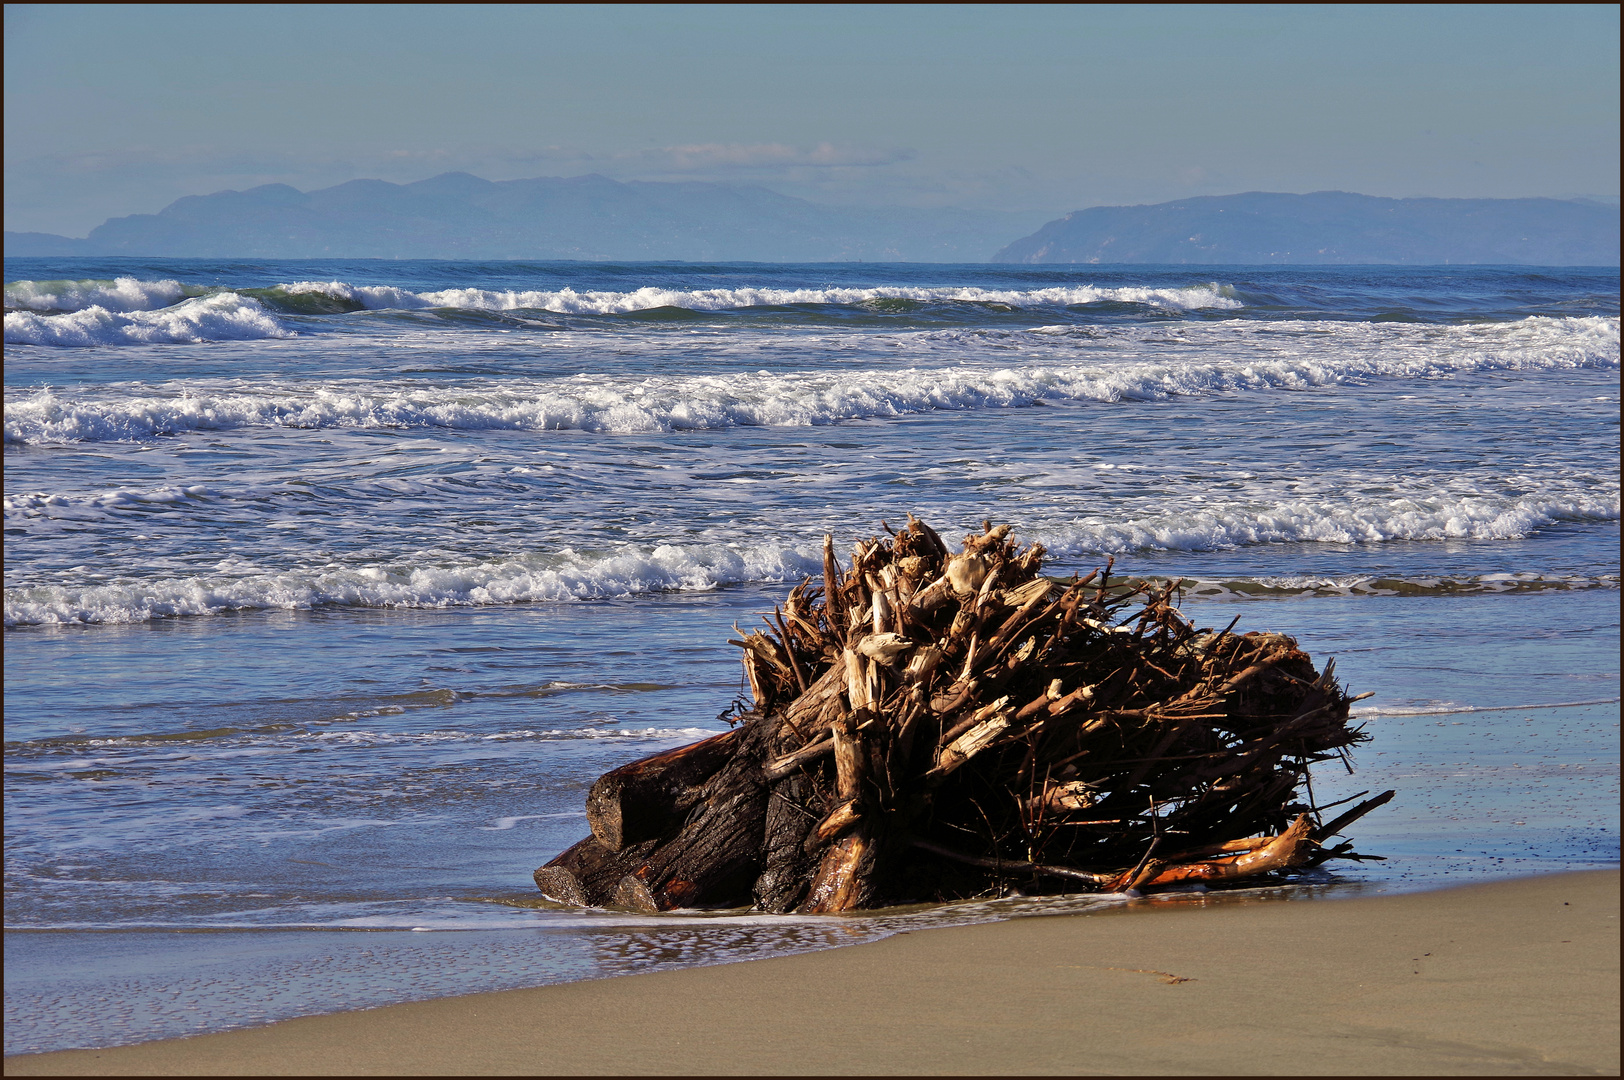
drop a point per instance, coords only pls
(588, 873)
(714, 859)
(793, 812)
(651, 798)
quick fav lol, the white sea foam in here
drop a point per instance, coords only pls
(129, 294)
(569, 301)
(566, 576)
(117, 498)
(122, 750)
(1451, 708)
(220, 317)
(423, 738)
(120, 294)
(628, 405)
(1337, 521)
(130, 311)
(1372, 585)
(571, 575)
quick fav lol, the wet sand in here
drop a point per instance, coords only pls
(1507, 978)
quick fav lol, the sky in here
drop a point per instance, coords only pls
(120, 109)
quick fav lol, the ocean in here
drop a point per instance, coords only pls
(331, 586)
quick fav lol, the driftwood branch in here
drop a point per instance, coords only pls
(926, 711)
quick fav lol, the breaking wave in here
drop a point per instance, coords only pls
(629, 405)
(571, 575)
(1451, 708)
(118, 294)
(220, 317)
(571, 302)
(566, 576)
(126, 310)
(1371, 585)
(1329, 521)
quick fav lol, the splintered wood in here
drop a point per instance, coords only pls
(931, 725)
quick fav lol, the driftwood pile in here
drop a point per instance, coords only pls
(931, 725)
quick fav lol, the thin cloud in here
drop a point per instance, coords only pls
(700, 157)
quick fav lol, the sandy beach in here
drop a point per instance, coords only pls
(1516, 977)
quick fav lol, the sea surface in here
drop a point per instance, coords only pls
(331, 586)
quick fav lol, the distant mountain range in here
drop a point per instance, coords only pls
(1330, 227)
(458, 216)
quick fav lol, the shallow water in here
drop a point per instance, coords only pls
(325, 605)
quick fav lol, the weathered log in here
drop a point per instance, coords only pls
(787, 868)
(651, 797)
(558, 884)
(971, 720)
(633, 893)
(588, 873)
(715, 858)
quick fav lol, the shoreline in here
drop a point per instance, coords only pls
(1518, 976)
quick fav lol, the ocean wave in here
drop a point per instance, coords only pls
(632, 570)
(116, 294)
(353, 297)
(76, 754)
(1332, 521)
(1451, 708)
(630, 405)
(570, 302)
(420, 738)
(1376, 585)
(219, 317)
(566, 576)
(118, 498)
(128, 294)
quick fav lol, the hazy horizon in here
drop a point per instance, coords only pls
(115, 111)
(1606, 200)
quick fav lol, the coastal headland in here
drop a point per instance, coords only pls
(1514, 977)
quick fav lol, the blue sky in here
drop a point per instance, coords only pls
(121, 109)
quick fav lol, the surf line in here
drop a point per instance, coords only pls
(1452, 711)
